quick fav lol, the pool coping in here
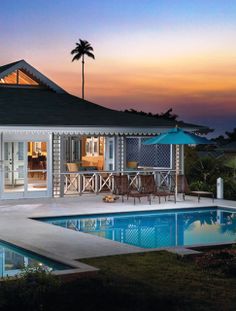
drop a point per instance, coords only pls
(76, 267)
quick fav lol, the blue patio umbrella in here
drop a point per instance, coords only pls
(177, 136)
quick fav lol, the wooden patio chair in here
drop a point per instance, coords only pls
(122, 187)
(132, 165)
(100, 165)
(149, 186)
(183, 188)
(72, 178)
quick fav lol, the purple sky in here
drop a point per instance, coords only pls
(150, 55)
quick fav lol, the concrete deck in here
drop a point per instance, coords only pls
(17, 227)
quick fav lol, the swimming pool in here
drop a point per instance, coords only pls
(158, 229)
(13, 259)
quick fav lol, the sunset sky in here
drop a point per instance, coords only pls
(150, 54)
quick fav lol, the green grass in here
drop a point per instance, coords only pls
(147, 281)
(159, 280)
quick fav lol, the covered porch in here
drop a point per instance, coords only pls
(62, 162)
(89, 162)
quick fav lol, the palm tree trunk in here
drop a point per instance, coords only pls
(83, 76)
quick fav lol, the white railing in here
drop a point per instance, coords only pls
(103, 181)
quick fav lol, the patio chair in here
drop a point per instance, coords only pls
(122, 187)
(133, 165)
(149, 186)
(72, 178)
(72, 167)
(182, 187)
(100, 165)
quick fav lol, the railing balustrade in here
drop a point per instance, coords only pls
(103, 181)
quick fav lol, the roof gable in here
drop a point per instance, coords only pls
(27, 74)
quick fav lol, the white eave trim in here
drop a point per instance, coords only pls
(86, 130)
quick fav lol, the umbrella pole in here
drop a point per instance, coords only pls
(176, 169)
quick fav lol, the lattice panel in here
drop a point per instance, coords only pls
(148, 155)
(132, 149)
(163, 155)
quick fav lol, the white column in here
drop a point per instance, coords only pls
(182, 159)
(57, 163)
(122, 153)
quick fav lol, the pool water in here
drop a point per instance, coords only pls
(13, 259)
(158, 229)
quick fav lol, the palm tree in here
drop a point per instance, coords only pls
(82, 48)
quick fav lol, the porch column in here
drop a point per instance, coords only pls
(120, 153)
(181, 159)
(57, 163)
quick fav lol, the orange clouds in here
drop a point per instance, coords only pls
(192, 84)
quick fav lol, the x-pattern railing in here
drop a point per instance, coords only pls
(106, 181)
(101, 181)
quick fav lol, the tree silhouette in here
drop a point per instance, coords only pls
(82, 48)
(167, 115)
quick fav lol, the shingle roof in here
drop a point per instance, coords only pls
(7, 66)
(54, 107)
(41, 107)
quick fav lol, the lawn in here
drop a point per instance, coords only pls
(147, 281)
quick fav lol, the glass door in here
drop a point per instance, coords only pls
(25, 169)
(14, 167)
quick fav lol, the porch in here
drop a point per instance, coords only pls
(45, 164)
(88, 163)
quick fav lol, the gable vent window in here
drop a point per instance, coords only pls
(18, 77)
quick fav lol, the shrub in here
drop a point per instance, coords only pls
(229, 188)
(201, 186)
(30, 291)
(223, 261)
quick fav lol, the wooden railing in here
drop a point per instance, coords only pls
(103, 181)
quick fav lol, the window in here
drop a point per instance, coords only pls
(92, 146)
(110, 149)
(18, 77)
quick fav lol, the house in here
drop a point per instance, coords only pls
(43, 129)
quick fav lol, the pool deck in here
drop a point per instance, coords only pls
(18, 227)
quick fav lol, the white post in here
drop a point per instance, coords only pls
(220, 188)
(176, 169)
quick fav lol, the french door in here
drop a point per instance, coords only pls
(25, 169)
(14, 167)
